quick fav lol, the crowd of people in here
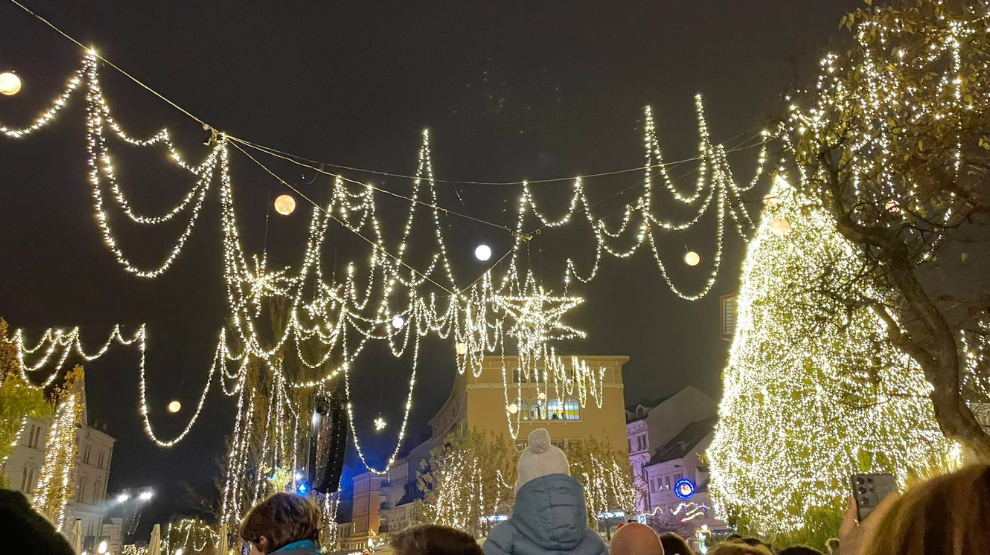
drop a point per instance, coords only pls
(948, 515)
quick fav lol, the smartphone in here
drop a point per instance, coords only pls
(869, 490)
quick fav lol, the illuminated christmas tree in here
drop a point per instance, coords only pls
(813, 392)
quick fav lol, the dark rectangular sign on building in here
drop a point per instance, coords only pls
(729, 314)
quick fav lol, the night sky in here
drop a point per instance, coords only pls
(509, 90)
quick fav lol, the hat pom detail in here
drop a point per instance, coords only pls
(539, 441)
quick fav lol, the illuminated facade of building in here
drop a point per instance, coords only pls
(667, 440)
(89, 477)
(479, 403)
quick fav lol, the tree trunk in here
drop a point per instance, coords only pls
(942, 367)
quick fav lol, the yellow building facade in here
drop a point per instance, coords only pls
(480, 403)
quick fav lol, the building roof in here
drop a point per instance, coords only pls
(650, 404)
(684, 442)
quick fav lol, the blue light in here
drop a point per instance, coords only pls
(302, 488)
(684, 489)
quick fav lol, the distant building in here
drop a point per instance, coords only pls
(667, 440)
(93, 458)
(479, 403)
(387, 504)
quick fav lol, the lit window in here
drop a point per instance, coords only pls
(555, 410)
(523, 406)
(572, 409)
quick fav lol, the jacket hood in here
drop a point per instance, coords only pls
(550, 512)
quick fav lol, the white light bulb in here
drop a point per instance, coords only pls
(398, 322)
(123, 497)
(174, 407)
(513, 408)
(483, 252)
(691, 258)
(10, 84)
(146, 495)
(285, 204)
(462, 349)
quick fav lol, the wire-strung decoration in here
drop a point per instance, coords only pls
(329, 320)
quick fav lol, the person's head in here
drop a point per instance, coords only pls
(945, 515)
(675, 545)
(833, 545)
(733, 537)
(799, 550)
(27, 531)
(433, 539)
(281, 519)
(540, 459)
(636, 539)
(739, 548)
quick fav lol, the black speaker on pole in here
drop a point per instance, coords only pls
(328, 442)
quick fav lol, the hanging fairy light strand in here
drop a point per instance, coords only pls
(387, 297)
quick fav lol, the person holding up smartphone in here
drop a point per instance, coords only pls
(947, 515)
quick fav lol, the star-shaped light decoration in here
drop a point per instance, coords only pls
(264, 283)
(379, 424)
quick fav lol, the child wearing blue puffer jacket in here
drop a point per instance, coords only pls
(549, 516)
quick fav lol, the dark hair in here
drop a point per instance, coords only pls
(433, 539)
(832, 544)
(26, 531)
(945, 515)
(739, 548)
(283, 518)
(674, 544)
(799, 550)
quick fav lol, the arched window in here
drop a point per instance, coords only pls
(555, 410)
(98, 491)
(523, 405)
(81, 494)
(538, 410)
(572, 409)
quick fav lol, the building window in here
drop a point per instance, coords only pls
(677, 477)
(102, 455)
(523, 406)
(555, 410)
(81, 493)
(641, 442)
(666, 480)
(86, 454)
(538, 410)
(630, 445)
(572, 409)
(27, 479)
(34, 437)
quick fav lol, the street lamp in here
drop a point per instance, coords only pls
(146, 495)
(102, 548)
(123, 497)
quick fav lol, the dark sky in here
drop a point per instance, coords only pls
(510, 90)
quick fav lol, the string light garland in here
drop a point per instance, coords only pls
(387, 299)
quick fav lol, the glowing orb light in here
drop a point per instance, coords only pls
(398, 322)
(483, 252)
(285, 204)
(691, 258)
(780, 227)
(462, 349)
(174, 407)
(513, 408)
(10, 84)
